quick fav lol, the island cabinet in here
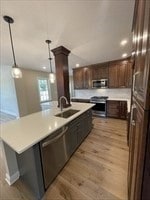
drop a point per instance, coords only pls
(120, 74)
(82, 78)
(40, 164)
(77, 131)
(117, 109)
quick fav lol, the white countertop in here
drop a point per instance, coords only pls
(111, 98)
(23, 133)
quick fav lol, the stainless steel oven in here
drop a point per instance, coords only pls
(100, 105)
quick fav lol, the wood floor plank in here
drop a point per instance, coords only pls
(65, 190)
(86, 185)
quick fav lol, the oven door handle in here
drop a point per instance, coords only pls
(104, 102)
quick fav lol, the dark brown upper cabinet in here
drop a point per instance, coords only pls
(129, 73)
(87, 83)
(120, 74)
(78, 78)
(99, 71)
(113, 76)
(82, 78)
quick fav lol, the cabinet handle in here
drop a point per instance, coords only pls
(55, 138)
(134, 76)
(132, 110)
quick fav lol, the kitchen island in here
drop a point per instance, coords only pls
(28, 138)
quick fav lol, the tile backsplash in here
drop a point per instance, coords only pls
(111, 93)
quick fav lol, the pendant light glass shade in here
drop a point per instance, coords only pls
(16, 72)
(52, 77)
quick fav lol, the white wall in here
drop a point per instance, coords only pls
(8, 99)
(71, 86)
(111, 93)
(28, 92)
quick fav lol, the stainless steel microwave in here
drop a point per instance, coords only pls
(101, 83)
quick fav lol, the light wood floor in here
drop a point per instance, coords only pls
(96, 171)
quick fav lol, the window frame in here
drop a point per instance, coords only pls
(48, 89)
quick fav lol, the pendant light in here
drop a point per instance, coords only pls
(16, 72)
(51, 74)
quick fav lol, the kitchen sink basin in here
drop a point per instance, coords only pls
(67, 113)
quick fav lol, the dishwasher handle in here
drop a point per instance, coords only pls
(55, 138)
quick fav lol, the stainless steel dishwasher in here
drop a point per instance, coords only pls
(54, 154)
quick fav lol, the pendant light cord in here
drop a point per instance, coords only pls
(12, 45)
(50, 58)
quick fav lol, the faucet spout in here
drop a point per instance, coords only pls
(61, 103)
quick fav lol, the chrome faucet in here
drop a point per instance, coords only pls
(60, 102)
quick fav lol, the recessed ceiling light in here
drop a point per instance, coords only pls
(124, 55)
(44, 67)
(123, 42)
(77, 65)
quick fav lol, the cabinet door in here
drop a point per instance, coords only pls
(123, 109)
(87, 77)
(129, 69)
(71, 137)
(113, 109)
(95, 72)
(141, 30)
(122, 74)
(85, 125)
(137, 143)
(78, 78)
(146, 182)
(103, 72)
(113, 76)
(99, 71)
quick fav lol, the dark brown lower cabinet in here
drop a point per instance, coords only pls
(146, 177)
(117, 109)
(137, 151)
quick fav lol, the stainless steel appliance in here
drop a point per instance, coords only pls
(100, 105)
(54, 154)
(102, 83)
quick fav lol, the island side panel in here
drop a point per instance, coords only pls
(29, 163)
(12, 172)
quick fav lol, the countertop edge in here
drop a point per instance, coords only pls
(65, 121)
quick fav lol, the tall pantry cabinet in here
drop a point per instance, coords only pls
(139, 135)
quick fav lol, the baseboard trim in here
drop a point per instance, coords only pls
(9, 112)
(11, 179)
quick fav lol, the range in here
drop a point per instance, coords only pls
(100, 105)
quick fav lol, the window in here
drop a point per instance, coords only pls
(44, 90)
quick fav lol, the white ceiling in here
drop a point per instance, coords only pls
(91, 29)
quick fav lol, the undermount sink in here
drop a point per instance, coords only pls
(67, 113)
